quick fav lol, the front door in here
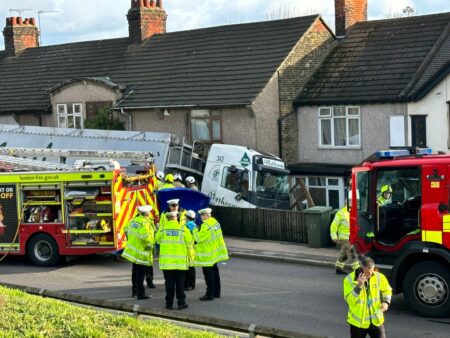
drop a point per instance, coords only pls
(419, 131)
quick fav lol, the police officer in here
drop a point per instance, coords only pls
(209, 250)
(385, 195)
(173, 205)
(168, 182)
(149, 271)
(139, 248)
(174, 240)
(368, 295)
(340, 233)
(189, 283)
(190, 183)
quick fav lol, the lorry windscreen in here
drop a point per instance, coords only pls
(272, 185)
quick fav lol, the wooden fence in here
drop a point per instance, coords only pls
(268, 224)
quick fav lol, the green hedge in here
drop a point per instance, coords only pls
(24, 315)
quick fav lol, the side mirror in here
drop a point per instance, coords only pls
(442, 207)
(238, 197)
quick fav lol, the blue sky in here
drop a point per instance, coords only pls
(81, 20)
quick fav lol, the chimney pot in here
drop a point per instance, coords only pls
(13, 21)
(8, 22)
(19, 20)
(133, 4)
(147, 3)
(152, 3)
(25, 22)
(159, 4)
(141, 3)
(33, 21)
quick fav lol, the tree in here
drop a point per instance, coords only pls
(104, 120)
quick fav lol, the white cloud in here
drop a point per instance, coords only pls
(79, 20)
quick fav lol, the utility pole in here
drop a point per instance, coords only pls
(39, 22)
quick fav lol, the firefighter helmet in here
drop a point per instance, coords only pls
(169, 178)
(190, 180)
(160, 175)
(177, 177)
(386, 188)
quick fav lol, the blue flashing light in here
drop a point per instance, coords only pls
(403, 152)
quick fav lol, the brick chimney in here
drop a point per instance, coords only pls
(20, 34)
(349, 12)
(145, 18)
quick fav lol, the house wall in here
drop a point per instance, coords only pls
(238, 124)
(435, 105)
(266, 109)
(80, 92)
(375, 134)
(294, 73)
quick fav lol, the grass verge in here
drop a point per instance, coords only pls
(24, 315)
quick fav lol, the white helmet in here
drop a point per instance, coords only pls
(177, 177)
(160, 175)
(190, 180)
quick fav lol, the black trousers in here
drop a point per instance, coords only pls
(137, 279)
(190, 278)
(212, 280)
(373, 332)
(149, 275)
(175, 284)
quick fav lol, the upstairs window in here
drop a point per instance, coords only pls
(206, 125)
(70, 115)
(339, 127)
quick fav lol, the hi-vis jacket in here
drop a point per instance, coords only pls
(340, 227)
(140, 241)
(181, 218)
(210, 247)
(175, 241)
(364, 305)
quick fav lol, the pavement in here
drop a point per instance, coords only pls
(285, 252)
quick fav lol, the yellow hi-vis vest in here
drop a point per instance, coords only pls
(364, 305)
(181, 218)
(140, 241)
(210, 247)
(175, 241)
(340, 227)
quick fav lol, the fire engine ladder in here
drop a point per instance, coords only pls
(11, 156)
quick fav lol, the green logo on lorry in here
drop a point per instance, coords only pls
(245, 160)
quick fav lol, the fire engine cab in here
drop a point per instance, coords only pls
(407, 232)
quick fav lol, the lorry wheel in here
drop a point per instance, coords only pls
(43, 250)
(427, 289)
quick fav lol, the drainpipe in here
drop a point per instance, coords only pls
(130, 118)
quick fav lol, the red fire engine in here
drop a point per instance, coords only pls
(407, 235)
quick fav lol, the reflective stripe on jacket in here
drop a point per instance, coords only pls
(340, 227)
(140, 241)
(364, 305)
(210, 247)
(175, 241)
(181, 218)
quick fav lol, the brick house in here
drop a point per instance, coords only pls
(386, 83)
(232, 84)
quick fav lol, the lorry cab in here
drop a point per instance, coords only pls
(237, 176)
(407, 233)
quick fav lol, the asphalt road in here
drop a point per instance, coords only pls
(293, 297)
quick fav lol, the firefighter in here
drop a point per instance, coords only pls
(139, 248)
(340, 233)
(168, 182)
(190, 183)
(174, 240)
(173, 205)
(178, 181)
(159, 179)
(368, 295)
(189, 283)
(385, 195)
(209, 250)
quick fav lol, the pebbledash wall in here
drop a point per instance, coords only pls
(375, 134)
(294, 73)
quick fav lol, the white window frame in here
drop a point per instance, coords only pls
(62, 118)
(339, 187)
(332, 118)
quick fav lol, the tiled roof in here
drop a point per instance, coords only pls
(223, 65)
(382, 61)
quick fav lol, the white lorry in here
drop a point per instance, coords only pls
(231, 175)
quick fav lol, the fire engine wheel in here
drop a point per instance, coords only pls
(427, 289)
(43, 250)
